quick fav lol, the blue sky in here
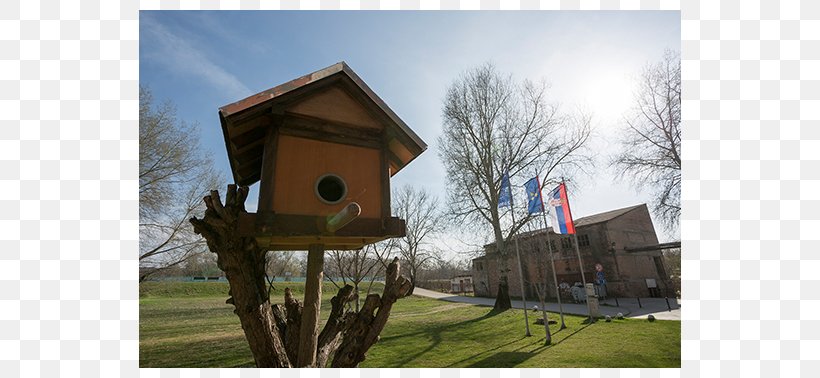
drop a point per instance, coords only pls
(204, 60)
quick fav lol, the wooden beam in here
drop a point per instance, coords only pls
(297, 232)
(248, 172)
(239, 127)
(309, 331)
(319, 129)
(384, 176)
(241, 141)
(395, 159)
(251, 151)
(267, 172)
(271, 224)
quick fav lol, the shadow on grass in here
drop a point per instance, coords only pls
(434, 333)
(515, 357)
(454, 364)
(502, 359)
(553, 343)
(570, 335)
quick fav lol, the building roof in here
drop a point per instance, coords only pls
(603, 217)
(245, 123)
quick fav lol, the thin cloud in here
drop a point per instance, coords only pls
(216, 26)
(179, 56)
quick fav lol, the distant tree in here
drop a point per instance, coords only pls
(354, 267)
(650, 156)
(493, 126)
(424, 220)
(174, 175)
(281, 264)
(672, 263)
(201, 264)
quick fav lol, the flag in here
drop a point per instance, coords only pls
(534, 204)
(561, 218)
(505, 195)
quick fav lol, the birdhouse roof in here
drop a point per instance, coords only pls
(332, 92)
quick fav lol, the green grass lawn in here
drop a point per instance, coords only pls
(189, 325)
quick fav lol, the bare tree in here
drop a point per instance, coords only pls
(424, 219)
(650, 154)
(174, 175)
(278, 264)
(354, 267)
(201, 264)
(493, 126)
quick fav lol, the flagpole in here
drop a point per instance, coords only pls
(554, 276)
(577, 251)
(520, 270)
(580, 261)
(547, 333)
(552, 258)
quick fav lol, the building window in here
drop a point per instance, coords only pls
(566, 243)
(583, 240)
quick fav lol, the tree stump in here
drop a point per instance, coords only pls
(273, 331)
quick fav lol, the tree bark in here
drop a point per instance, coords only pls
(331, 336)
(273, 331)
(243, 263)
(365, 327)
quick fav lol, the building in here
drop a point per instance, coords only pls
(462, 283)
(621, 244)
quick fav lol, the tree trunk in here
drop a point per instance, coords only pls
(502, 298)
(273, 331)
(243, 263)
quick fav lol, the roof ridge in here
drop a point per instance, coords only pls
(619, 212)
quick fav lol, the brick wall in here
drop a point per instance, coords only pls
(625, 273)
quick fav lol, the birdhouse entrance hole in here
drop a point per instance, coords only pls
(330, 189)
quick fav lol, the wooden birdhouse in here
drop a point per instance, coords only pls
(323, 148)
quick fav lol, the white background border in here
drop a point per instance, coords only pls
(68, 188)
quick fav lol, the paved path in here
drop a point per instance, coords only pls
(655, 306)
(627, 306)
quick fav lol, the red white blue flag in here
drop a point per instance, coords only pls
(560, 216)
